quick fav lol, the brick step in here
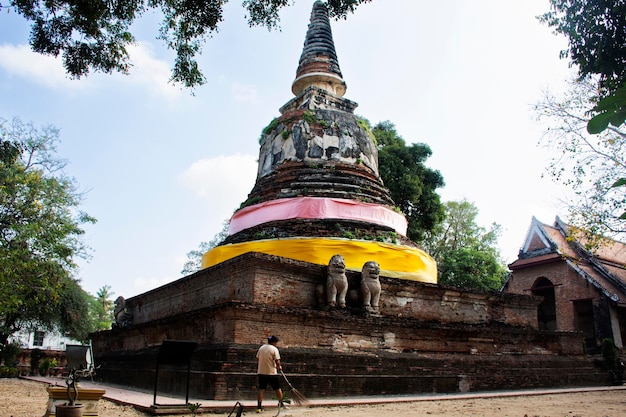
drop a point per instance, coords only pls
(229, 371)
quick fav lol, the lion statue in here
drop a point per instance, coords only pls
(370, 286)
(122, 317)
(336, 282)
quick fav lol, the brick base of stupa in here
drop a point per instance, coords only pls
(426, 338)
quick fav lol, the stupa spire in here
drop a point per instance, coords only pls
(318, 63)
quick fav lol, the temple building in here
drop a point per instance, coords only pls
(583, 290)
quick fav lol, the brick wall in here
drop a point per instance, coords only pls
(256, 278)
(427, 338)
(569, 286)
(324, 350)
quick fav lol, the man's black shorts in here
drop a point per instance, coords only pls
(272, 380)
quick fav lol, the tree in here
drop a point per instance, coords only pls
(101, 308)
(412, 185)
(466, 253)
(94, 35)
(103, 296)
(40, 231)
(593, 166)
(194, 257)
(597, 45)
(597, 39)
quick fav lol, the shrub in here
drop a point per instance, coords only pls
(8, 372)
(9, 354)
(44, 366)
(609, 353)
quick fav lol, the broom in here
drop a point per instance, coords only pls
(297, 396)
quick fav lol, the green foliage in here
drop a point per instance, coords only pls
(193, 408)
(466, 253)
(249, 202)
(609, 353)
(597, 39)
(44, 366)
(8, 372)
(270, 127)
(94, 35)
(40, 235)
(365, 125)
(597, 45)
(412, 185)
(72, 315)
(348, 235)
(8, 353)
(611, 110)
(471, 268)
(592, 166)
(194, 257)
(612, 362)
(101, 309)
(309, 117)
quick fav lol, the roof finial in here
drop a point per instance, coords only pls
(318, 64)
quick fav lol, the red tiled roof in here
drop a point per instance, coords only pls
(606, 265)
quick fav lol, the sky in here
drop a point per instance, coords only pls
(162, 169)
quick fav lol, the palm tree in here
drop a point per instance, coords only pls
(104, 298)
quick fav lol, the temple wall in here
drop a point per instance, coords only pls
(426, 338)
(323, 350)
(269, 280)
(339, 331)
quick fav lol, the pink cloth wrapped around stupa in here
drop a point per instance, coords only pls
(316, 208)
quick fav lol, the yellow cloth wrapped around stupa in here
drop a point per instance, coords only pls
(396, 261)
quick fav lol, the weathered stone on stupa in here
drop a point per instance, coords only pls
(318, 191)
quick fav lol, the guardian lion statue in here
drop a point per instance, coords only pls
(122, 317)
(336, 282)
(370, 286)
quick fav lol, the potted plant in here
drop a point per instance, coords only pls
(71, 408)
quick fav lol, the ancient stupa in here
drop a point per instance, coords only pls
(318, 194)
(318, 191)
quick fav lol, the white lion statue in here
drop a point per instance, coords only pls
(336, 282)
(370, 286)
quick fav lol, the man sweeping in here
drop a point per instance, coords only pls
(269, 366)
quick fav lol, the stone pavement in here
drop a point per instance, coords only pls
(144, 400)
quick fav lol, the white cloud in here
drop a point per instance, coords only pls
(224, 181)
(151, 72)
(147, 71)
(21, 61)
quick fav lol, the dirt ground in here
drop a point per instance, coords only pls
(22, 398)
